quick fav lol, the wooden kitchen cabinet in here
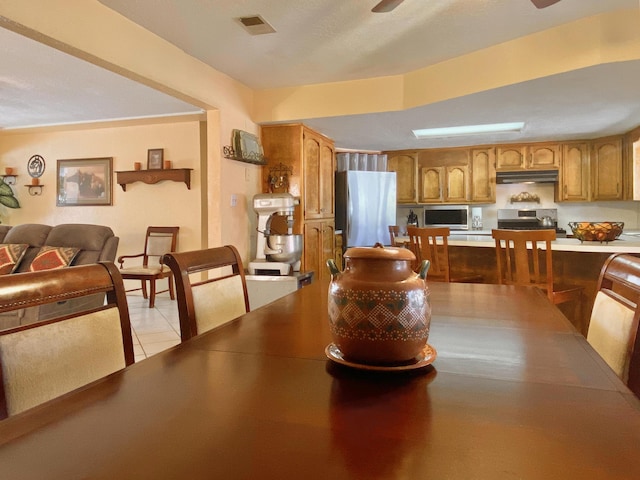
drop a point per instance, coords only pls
(574, 175)
(311, 157)
(544, 156)
(339, 259)
(511, 157)
(319, 246)
(405, 166)
(483, 175)
(446, 184)
(456, 184)
(318, 176)
(606, 169)
(431, 185)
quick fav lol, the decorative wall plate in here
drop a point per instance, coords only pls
(35, 166)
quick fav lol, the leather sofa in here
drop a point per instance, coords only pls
(96, 243)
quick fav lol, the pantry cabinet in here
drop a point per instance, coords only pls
(310, 156)
(318, 176)
(319, 246)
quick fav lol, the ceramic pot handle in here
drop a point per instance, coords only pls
(333, 268)
(424, 268)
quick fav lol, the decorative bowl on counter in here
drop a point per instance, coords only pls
(596, 231)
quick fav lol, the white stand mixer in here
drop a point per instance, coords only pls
(279, 254)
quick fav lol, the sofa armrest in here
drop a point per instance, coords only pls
(108, 253)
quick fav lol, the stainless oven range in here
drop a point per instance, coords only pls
(530, 219)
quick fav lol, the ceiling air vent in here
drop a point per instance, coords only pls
(256, 25)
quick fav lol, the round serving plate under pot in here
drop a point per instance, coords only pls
(379, 309)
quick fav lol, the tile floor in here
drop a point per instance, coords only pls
(153, 329)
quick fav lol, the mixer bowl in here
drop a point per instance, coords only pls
(289, 245)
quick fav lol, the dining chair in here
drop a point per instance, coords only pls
(432, 243)
(158, 241)
(613, 326)
(394, 231)
(208, 301)
(43, 360)
(520, 265)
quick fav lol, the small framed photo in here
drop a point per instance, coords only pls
(155, 157)
(85, 181)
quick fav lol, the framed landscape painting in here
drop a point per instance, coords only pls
(85, 181)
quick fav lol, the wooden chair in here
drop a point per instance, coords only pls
(431, 243)
(394, 231)
(613, 328)
(158, 241)
(206, 304)
(519, 265)
(46, 359)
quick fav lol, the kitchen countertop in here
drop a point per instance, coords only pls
(627, 243)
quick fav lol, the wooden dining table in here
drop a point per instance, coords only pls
(514, 393)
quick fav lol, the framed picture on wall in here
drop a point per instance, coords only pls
(155, 157)
(84, 181)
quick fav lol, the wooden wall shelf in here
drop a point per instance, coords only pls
(154, 176)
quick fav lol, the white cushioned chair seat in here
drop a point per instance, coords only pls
(87, 348)
(610, 332)
(140, 270)
(218, 302)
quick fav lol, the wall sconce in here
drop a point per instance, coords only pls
(9, 179)
(35, 188)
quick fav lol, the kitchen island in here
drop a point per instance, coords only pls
(574, 262)
(624, 244)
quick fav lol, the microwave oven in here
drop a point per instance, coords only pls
(456, 217)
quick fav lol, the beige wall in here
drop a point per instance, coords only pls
(164, 203)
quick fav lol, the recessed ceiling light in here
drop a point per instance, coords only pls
(468, 130)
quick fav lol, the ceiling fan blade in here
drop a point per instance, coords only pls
(544, 3)
(386, 6)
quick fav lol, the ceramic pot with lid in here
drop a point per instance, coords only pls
(379, 310)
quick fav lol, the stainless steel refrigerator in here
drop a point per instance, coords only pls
(365, 206)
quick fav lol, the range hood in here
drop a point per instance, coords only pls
(527, 176)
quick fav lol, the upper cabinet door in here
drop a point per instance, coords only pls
(544, 156)
(457, 190)
(606, 169)
(574, 174)
(511, 157)
(327, 179)
(318, 174)
(483, 175)
(431, 183)
(311, 176)
(405, 166)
